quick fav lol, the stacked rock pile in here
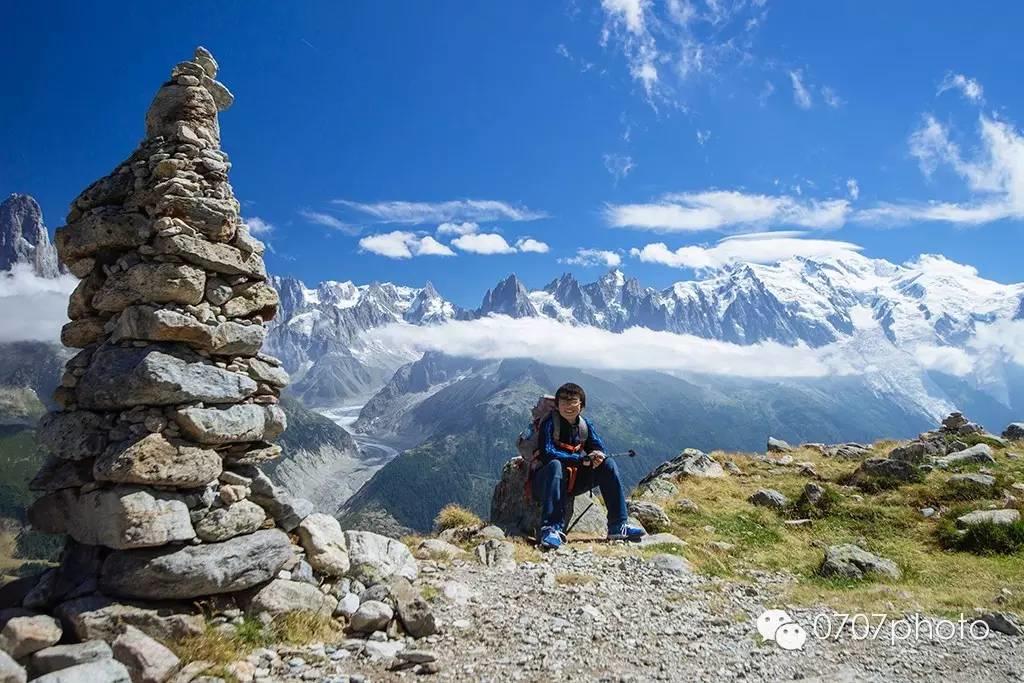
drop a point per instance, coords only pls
(170, 407)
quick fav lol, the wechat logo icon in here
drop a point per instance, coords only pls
(775, 624)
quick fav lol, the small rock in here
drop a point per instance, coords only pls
(1003, 622)
(1007, 516)
(22, 636)
(147, 660)
(10, 670)
(777, 446)
(769, 498)
(64, 656)
(853, 562)
(105, 670)
(500, 555)
(371, 616)
(673, 564)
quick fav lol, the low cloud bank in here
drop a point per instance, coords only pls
(33, 308)
(553, 343)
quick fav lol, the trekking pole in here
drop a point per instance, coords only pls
(586, 461)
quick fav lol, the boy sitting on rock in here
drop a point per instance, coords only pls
(573, 462)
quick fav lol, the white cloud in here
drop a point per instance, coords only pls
(768, 247)
(428, 246)
(668, 43)
(946, 359)
(329, 221)
(968, 87)
(853, 188)
(455, 211)
(718, 209)
(258, 226)
(766, 92)
(530, 245)
(995, 176)
(801, 95)
(703, 136)
(483, 243)
(618, 166)
(626, 21)
(830, 97)
(400, 244)
(594, 257)
(559, 344)
(32, 307)
(457, 228)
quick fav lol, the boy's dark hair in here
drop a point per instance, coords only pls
(571, 390)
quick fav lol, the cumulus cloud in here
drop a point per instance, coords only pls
(769, 247)
(457, 228)
(994, 176)
(33, 308)
(548, 341)
(400, 244)
(329, 221)
(801, 95)
(258, 226)
(530, 245)
(455, 211)
(594, 257)
(968, 87)
(719, 209)
(483, 243)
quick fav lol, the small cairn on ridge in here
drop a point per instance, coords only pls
(170, 407)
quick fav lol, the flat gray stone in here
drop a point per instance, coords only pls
(769, 498)
(979, 453)
(324, 542)
(154, 460)
(120, 517)
(237, 423)
(672, 564)
(281, 597)
(852, 562)
(97, 617)
(105, 670)
(121, 378)
(147, 660)
(371, 616)
(194, 571)
(63, 656)
(220, 524)
(1007, 516)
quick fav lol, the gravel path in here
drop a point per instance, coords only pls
(547, 621)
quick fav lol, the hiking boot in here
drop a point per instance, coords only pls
(625, 532)
(551, 537)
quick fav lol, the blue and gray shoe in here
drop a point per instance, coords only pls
(625, 532)
(551, 537)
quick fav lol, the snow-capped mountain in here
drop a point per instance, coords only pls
(317, 334)
(881, 313)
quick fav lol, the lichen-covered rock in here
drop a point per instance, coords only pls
(99, 230)
(220, 524)
(119, 517)
(1014, 432)
(73, 435)
(1007, 516)
(156, 461)
(151, 283)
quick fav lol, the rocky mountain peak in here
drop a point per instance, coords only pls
(23, 237)
(509, 297)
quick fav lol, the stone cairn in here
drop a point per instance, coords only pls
(170, 407)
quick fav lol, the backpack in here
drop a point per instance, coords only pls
(530, 441)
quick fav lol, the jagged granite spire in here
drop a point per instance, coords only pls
(23, 237)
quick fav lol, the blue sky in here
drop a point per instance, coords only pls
(634, 128)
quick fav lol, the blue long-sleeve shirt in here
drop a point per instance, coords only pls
(572, 434)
